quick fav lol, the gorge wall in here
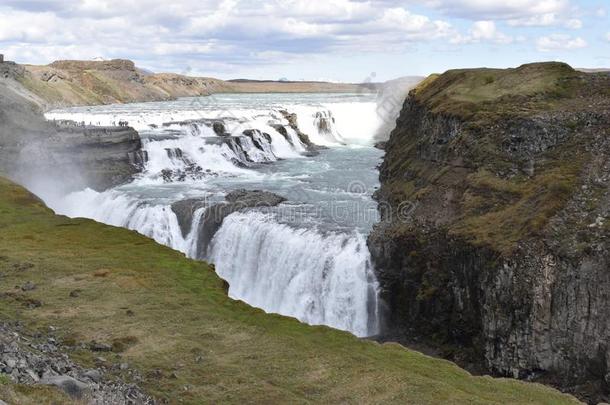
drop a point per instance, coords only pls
(33, 150)
(493, 246)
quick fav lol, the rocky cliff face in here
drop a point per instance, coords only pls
(34, 150)
(493, 246)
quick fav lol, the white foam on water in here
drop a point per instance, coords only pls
(319, 279)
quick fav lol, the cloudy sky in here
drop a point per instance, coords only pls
(344, 40)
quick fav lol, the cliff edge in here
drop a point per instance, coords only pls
(493, 245)
(40, 153)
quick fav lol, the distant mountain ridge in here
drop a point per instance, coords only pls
(73, 82)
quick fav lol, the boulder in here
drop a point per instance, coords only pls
(185, 210)
(29, 286)
(219, 128)
(380, 145)
(254, 198)
(71, 386)
(100, 347)
(93, 375)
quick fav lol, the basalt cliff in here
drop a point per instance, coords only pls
(493, 246)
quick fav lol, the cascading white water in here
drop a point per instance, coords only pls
(114, 208)
(317, 277)
(332, 124)
(193, 150)
(320, 280)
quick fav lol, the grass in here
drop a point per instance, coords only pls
(166, 314)
(29, 395)
(469, 91)
(500, 213)
(33, 395)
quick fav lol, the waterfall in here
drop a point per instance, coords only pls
(321, 278)
(318, 279)
(333, 124)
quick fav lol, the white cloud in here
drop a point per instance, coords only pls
(574, 24)
(546, 20)
(559, 42)
(483, 31)
(500, 9)
(27, 27)
(335, 10)
(542, 20)
(231, 34)
(208, 32)
(403, 21)
(516, 13)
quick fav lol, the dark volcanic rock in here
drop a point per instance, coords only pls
(100, 347)
(380, 145)
(219, 128)
(29, 286)
(293, 123)
(494, 245)
(281, 130)
(185, 211)
(254, 198)
(236, 201)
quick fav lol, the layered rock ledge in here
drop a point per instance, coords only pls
(33, 150)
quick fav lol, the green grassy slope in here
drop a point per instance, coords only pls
(181, 321)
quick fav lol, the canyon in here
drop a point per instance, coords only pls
(490, 248)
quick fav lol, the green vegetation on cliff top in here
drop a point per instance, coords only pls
(516, 158)
(464, 92)
(181, 321)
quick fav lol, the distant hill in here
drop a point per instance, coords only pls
(72, 82)
(599, 70)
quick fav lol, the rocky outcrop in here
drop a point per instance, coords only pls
(104, 156)
(238, 200)
(185, 212)
(33, 150)
(312, 149)
(73, 82)
(213, 217)
(493, 246)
